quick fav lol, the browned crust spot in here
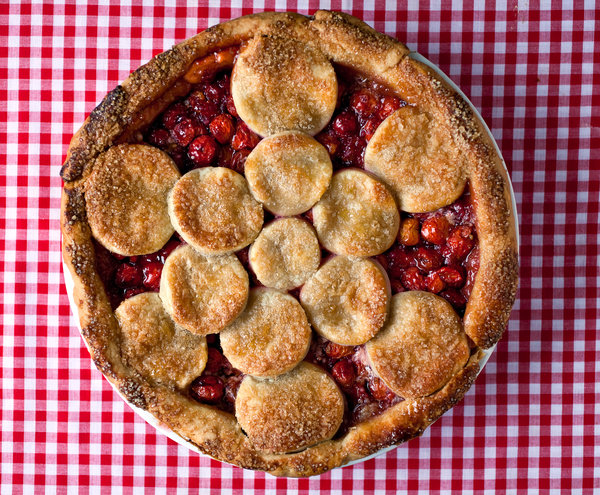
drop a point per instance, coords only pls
(347, 41)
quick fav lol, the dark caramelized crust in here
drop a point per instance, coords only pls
(343, 40)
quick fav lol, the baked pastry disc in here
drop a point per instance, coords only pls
(203, 294)
(290, 412)
(270, 337)
(414, 154)
(357, 215)
(212, 209)
(347, 300)
(155, 346)
(422, 346)
(126, 199)
(280, 84)
(288, 172)
(285, 254)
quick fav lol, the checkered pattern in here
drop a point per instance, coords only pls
(529, 422)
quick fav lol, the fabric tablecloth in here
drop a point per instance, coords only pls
(530, 423)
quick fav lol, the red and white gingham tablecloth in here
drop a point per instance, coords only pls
(532, 420)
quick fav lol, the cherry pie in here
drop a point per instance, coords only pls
(290, 241)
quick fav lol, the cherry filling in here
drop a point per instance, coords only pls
(436, 251)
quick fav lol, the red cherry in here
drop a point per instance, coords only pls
(215, 91)
(434, 283)
(379, 390)
(128, 276)
(152, 272)
(184, 131)
(396, 286)
(202, 151)
(204, 110)
(343, 372)
(214, 361)
(459, 243)
(412, 279)
(330, 142)
(338, 351)
(222, 129)
(308, 216)
(389, 105)
(173, 115)
(436, 229)
(208, 388)
(369, 128)
(160, 138)
(363, 103)
(238, 160)
(399, 260)
(428, 259)
(244, 137)
(382, 260)
(451, 276)
(230, 105)
(345, 124)
(454, 297)
(351, 151)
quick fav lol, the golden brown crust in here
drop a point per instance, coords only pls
(285, 254)
(347, 41)
(203, 294)
(155, 346)
(422, 346)
(291, 412)
(212, 209)
(270, 337)
(281, 84)
(126, 199)
(288, 172)
(357, 215)
(347, 300)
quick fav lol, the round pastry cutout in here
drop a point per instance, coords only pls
(421, 347)
(285, 254)
(155, 346)
(282, 84)
(290, 412)
(415, 156)
(212, 209)
(126, 199)
(203, 294)
(357, 215)
(347, 300)
(288, 172)
(270, 337)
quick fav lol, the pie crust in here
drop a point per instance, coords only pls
(324, 41)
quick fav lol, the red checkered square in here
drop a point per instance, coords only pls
(529, 423)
